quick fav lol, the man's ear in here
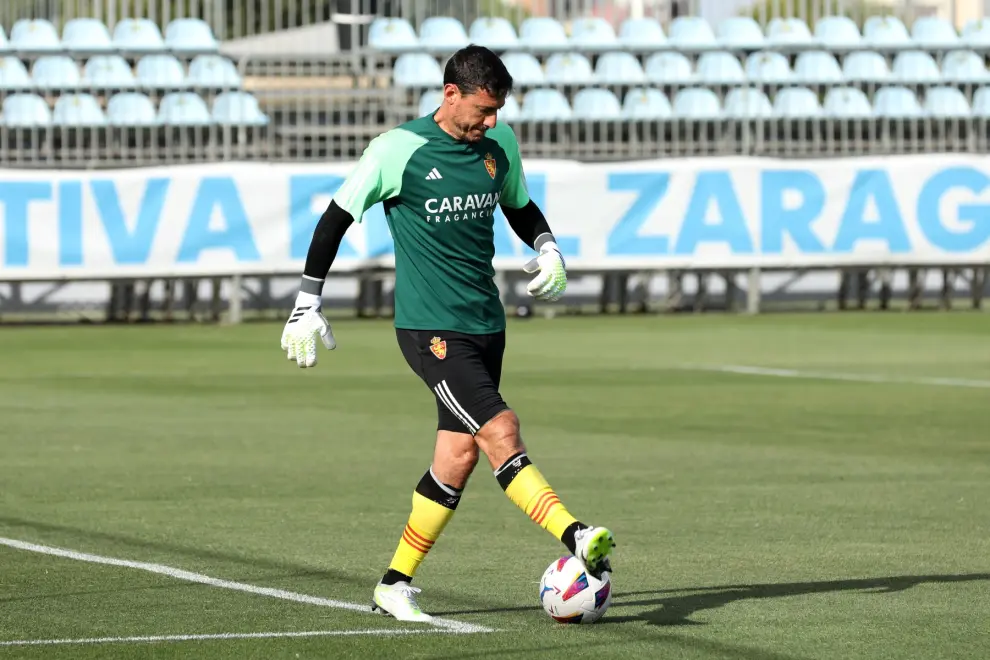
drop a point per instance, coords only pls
(451, 93)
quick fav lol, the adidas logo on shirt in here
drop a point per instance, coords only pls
(434, 174)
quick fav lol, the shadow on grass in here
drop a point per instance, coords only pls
(674, 607)
(676, 610)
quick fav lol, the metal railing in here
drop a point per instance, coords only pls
(586, 140)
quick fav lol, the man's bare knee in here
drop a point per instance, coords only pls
(500, 438)
(465, 458)
(454, 458)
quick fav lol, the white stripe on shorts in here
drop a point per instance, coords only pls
(443, 397)
(450, 395)
(443, 391)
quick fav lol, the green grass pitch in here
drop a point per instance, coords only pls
(838, 513)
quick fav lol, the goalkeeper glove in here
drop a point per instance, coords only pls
(551, 281)
(301, 330)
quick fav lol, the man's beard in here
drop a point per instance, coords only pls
(467, 130)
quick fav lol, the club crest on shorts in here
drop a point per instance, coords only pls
(439, 347)
(490, 165)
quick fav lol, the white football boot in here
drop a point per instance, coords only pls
(592, 546)
(398, 600)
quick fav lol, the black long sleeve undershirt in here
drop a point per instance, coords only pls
(529, 224)
(323, 248)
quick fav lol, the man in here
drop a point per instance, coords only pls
(439, 178)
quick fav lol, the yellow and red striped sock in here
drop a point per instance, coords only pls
(529, 490)
(433, 505)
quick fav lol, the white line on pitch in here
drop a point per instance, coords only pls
(179, 574)
(382, 632)
(851, 377)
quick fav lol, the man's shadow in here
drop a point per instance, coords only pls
(676, 610)
(674, 607)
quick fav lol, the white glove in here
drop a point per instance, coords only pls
(301, 330)
(551, 281)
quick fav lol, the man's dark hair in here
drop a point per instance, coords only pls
(475, 68)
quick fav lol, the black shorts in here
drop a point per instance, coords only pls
(462, 370)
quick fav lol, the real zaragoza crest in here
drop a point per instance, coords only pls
(490, 165)
(439, 347)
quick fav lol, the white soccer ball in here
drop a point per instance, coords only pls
(570, 595)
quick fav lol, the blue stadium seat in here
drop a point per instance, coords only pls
(886, 31)
(740, 32)
(720, 68)
(933, 32)
(847, 103)
(817, 67)
(86, 35)
(35, 34)
(642, 34)
(569, 68)
(942, 101)
(619, 68)
(524, 68)
(78, 110)
(131, 109)
(190, 35)
(108, 72)
(138, 35)
(442, 34)
(13, 74)
(837, 32)
(768, 67)
(691, 33)
(669, 69)
(496, 33)
(646, 103)
(543, 33)
(417, 70)
(511, 110)
(545, 104)
(697, 103)
(25, 111)
(981, 103)
(747, 103)
(184, 109)
(866, 66)
(592, 103)
(238, 109)
(915, 66)
(964, 66)
(213, 71)
(796, 102)
(896, 102)
(55, 72)
(161, 72)
(429, 101)
(976, 33)
(594, 33)
(392, 35)
(788, 32)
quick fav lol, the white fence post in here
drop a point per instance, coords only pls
(753, 292)
(236, 300)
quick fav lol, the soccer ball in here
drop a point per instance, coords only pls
(570, 595)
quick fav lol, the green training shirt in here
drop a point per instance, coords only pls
(440, 197)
